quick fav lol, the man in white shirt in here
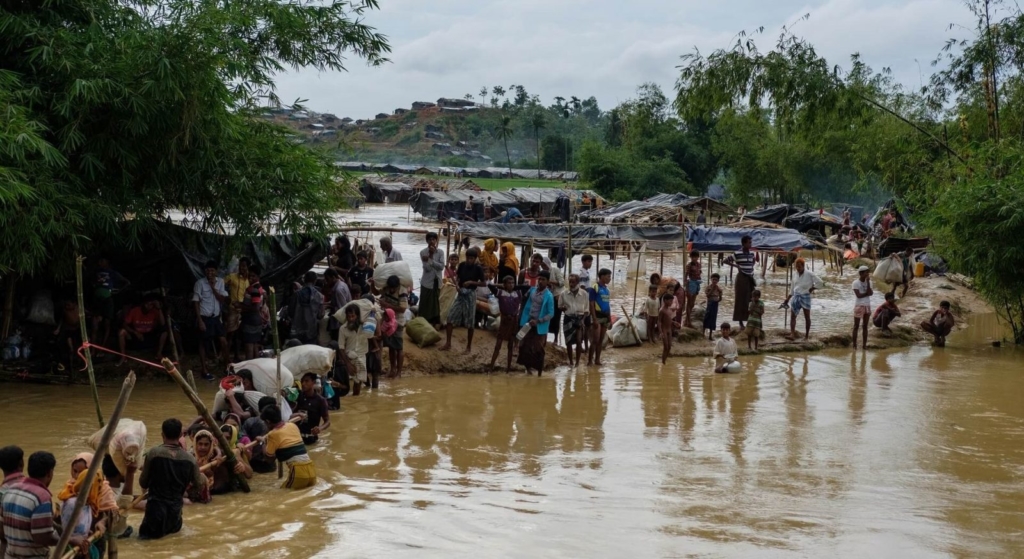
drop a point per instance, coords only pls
(390, 254)
(575, 306)
(207, 296)
(862, 306)
(725, 350)
(804, 283)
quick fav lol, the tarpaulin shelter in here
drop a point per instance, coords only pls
(451, 204)
(815, 220)
(903, 220)
(659, 208)
(707, 204)
(727, 239)
(774, 214)
(376, 192)
(664, 237)
(173, 257)
(896, 244)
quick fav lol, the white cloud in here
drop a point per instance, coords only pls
(604, 48)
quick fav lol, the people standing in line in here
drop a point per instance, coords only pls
(313, 409)
(744, 261)
(665, 319)
(166, 473)
(430, 283)
(538, 310)
(468, 277)
(754, 322)
(307, 309)
(510, 303)
(693, 281)
(341, 295)
(725, 351)
(940, 324)
(207, 296)
(284, 442)
(886, 313)
(862, 305)
(391, 254)
(804, 285)
(714, 295)
(575, 306)
(252, 311)
(236, 283)
(600, 315)
(143, 328)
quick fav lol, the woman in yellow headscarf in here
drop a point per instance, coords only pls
(489, 258)
(508, 264)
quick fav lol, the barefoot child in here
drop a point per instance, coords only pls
(754, 327)
(693, 281)
(510, 302)
(468, 276)
(652, 307)
(725, 349)
(575, 305)
(665, 320)
(714, 293)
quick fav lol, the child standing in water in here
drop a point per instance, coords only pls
(725, 349)
(756, 311)
(714, 293)
(693, 281)
(665, 324)
(652, 307)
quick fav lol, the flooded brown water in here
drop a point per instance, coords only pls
(910, 453)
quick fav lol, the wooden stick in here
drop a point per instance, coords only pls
(85, 340)
(170, 328)
(636, 279)
(629, 320)
(277, 342)
(111, 537)
(208, 418)
(101, 451)
(101, 530)
(191, 380)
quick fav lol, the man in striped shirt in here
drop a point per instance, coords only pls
(27, 512)
(744, 285)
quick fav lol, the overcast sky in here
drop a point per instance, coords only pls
(605, 48)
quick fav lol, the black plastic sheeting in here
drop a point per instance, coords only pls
(903, 220)
(667, 237)
(394, 192)
(452, 204)
(173, 257)
(727, 239)
(813, 219)
(776, 214)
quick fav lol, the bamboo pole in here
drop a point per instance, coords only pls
(191, 380)
(170, 329)
(85, 339)
(100, 532)
(111, 537)
(568, 250)
(632, 327)
(205, 414)
(101, 451)
(636, 280)
(277, 342)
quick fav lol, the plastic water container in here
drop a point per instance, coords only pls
(918, 269)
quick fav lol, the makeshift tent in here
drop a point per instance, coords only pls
(815, 220)
(774, 214)
(173, 257)
(376, 192)
(707, 204)
(903, 220)
(659, 208)
(726, 239)
(453, 203)
(896, 244)
(666, 237)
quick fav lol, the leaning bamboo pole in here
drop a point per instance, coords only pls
(85, 338)
(277, 342)
(100, 532)
(208, 418)
(97, 459)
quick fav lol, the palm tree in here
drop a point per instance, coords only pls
(483, 95)
(499, 92)
(537, 121)
(503, 131)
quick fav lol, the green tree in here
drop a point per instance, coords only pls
(537, 122)
(116, 113)
(503, 131)
(483, 95)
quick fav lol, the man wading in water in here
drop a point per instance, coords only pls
(744, 261)
(166, 473)
(804, 284)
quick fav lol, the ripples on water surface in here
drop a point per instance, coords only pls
(909, 453)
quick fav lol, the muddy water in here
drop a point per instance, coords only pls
(911, 453)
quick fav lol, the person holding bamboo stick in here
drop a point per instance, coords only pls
(284, 442)
(26, 512)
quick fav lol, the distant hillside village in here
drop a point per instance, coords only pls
(316, 127)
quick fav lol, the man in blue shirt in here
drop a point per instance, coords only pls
(600, 314)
